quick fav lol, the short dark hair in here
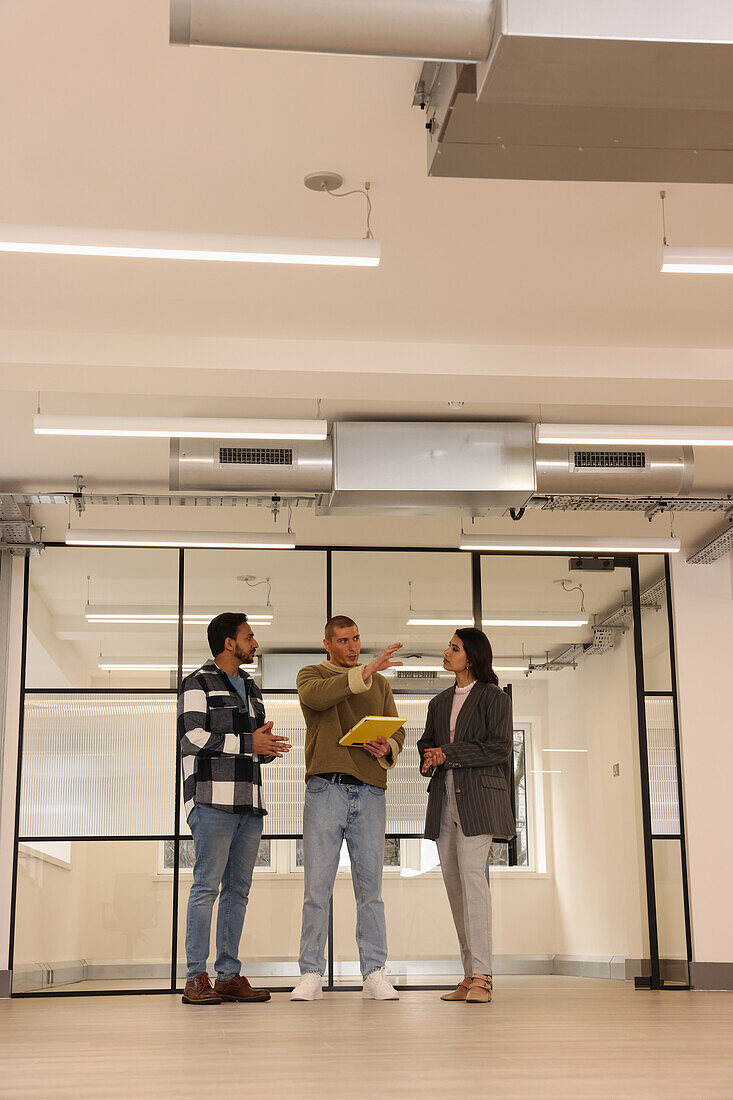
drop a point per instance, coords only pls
(222, 627)
(478, 654)
(336, 622)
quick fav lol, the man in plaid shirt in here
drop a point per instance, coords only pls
(224, 740)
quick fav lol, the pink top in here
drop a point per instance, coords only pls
(459, 698)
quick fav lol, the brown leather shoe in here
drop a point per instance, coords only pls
(198, 991)
(480, 991)
(459, 993)
(239, 989)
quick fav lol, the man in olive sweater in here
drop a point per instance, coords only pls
(345, 798)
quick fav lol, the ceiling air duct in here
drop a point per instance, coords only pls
(459, 30)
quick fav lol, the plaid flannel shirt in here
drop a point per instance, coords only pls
(215, 731)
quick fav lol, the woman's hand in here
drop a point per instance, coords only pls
(432, 758)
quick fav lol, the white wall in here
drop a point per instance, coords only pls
(703, 608)
(598, 855)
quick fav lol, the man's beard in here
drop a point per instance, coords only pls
(242, 657)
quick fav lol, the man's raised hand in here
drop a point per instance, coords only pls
(267, 743)
(384, 660)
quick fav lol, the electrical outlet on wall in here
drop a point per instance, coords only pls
(616, 770)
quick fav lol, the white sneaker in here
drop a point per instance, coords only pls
(377, 988)
(309, 988)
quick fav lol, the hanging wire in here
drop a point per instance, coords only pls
(663, 195)
(368, 236)
(574, 588)
(252, 583)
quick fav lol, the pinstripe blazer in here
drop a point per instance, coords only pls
(480, 757)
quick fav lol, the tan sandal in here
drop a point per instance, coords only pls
(459, 993)
(480, 990)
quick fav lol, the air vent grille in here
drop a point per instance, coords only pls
(415, 674)
(610, 460)
(256, 456)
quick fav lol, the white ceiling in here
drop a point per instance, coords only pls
(518, 298)
(106, 124)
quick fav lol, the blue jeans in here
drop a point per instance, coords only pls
(226, 848)
(333, 812)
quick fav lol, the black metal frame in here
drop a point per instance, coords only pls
(627, 561)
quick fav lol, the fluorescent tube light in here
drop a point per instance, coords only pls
(502, 618)
(498, 618)
(217, 540)
(564, 750)
(634, 435)
(135, 664)
(179, 427)
(162, 245)
(167, 616)
(546, 771)
(570, 544)
(439, 618)
(697, 261)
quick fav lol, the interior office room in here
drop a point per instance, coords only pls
(491, 389)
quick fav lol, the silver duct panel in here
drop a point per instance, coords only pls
(424, 29)
(611, 471)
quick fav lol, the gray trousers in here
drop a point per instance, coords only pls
(463, 862)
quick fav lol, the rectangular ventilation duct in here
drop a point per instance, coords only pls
(586, 90)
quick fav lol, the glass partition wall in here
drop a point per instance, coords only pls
(104, 853)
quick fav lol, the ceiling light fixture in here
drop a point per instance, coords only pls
(209, 540)
(570, 544)
(165, 245)
(495, 618)
(564, 750)
(179, 427)
(135, 664)
(635, 435)
(696, 261)
(167, 616)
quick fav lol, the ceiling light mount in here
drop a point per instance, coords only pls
(323, 181)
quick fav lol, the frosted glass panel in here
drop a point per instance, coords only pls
(284, 780)
(663, 791)
(98, 765)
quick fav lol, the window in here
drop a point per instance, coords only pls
(392, 853)
(186, 855)
(501, 854)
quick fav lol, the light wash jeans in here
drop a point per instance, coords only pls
(226, 849)
(335, 811)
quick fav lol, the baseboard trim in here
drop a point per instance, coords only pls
(711, 975)
(36, 978)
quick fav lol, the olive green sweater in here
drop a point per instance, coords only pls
(333, 699)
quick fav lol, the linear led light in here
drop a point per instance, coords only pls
(546, 771)
(162, 245)
(635, 435)
(132, 664)
(697, 261)
(564, 750)
(503, 618)
(571, 544)
(216, 540)
(167, 616)
(179, 427)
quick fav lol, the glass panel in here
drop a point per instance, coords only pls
(663, 790)
(382, 590)
(654, 623)
(102, 617)
(284, 597)
(93, 918)
(98, 765)
(669, 889)
(270, 941)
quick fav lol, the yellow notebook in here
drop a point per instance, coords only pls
(370, 728)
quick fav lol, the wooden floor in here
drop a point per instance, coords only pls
(542, 1037)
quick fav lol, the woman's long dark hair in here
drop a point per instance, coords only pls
(478, 654)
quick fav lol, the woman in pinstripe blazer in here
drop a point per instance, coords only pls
(467, 750)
